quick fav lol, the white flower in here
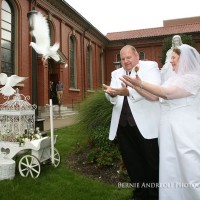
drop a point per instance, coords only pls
(26, 140)
(37, 136)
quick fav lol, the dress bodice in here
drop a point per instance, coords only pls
(190, 101)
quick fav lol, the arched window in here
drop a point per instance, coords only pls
(101, 68)
(7, 38)
(72, 56)
(142, 55)
(89, 66)
(51, 32)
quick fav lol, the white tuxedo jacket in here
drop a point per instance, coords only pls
(145, 112)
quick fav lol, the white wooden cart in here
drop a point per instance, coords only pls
(17, 115)
(32, 155)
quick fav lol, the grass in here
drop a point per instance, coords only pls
(61, 183)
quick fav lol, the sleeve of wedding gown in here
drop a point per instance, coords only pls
(181, 86)
(174, 92)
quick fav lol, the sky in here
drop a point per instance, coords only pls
(115, 16)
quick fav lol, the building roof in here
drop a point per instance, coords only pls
(153, 32)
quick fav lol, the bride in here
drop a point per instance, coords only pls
(179, 134)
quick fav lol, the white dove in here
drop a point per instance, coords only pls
(8, 83)
(41, 33)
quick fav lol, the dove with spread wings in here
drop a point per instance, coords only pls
(8, 83)
(40, 31)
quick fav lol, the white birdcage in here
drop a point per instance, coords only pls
(16, 115)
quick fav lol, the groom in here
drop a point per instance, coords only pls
(134, 122)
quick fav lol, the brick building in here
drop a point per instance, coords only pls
(90, 55)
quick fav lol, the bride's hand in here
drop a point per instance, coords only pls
(130, 81)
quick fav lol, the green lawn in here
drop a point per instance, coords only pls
(61, 183)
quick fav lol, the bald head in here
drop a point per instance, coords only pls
(128, 47)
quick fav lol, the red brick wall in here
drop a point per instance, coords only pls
(62, 28)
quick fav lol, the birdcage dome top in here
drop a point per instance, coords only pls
(19, 102)
(16, 115)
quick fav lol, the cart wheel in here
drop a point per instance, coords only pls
(29, 164)
(56, 158)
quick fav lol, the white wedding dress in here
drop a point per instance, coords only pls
(179, 143)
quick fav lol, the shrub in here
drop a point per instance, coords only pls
(94, 116)
(95, 111)
(104, 152)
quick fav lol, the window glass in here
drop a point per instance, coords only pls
(7, 38)
(6, 16)
(72, 62)
(5, 44)
(6, 26)
(142, 55)
(6, 55)
(89, 67)
(5, 6)
(6, 35)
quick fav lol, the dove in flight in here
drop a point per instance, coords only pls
(40, 31)
(8, 83)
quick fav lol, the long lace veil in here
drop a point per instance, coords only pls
(187, 77)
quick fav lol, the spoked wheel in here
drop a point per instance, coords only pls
(29, 165)
(56, 158)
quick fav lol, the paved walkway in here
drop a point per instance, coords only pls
(60, 122)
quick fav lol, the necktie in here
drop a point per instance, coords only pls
(126, 116)
(128, 73)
